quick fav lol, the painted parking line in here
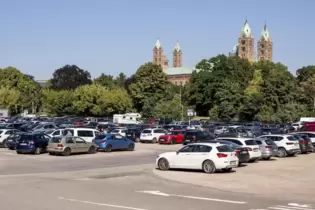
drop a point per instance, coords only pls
(289, 206)
(100, 204)
(158, 193)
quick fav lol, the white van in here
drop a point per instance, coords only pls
(88, 134)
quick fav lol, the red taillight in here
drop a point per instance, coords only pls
(194, 137)
(303, 142)
(268, 147)
(289, 143)
(249, 149)
(59, 145)
(221, 155)
(103, 141)
(237, 151)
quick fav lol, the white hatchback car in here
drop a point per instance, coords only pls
(152, 134)
(206, 156)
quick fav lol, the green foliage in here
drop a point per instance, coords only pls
(148, 86)
(308, 88)
(9, 97)
(305, 73)
(170, 109)
(58, 103)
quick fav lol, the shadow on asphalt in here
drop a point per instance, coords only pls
(197, 171)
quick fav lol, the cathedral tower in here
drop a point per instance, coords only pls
(177, 56)
(158, 56)
(246, 43)
(264, 46)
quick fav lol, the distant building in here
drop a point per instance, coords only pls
(42, 83)
(264, 46)
(177, 74)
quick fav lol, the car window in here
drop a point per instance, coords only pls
(79, 140)
(115, 131)
(269, 142)
(55, 140)
(234, 141)
(46, 137)
(85, 133)
(202, 148)
(97, 133)
(225, 148)
(189, 148)
(56, 133)
(146, 131)
(250, 142)
(258, 142)
(311, 135)
(67, 132)
(292, 138)
(8, 132)
(118, 137)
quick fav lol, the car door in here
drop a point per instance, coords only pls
(120, 142)
(81, 144)
(199, 154)
(70, 142)
(183, 157)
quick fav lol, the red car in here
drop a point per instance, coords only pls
(175, 137)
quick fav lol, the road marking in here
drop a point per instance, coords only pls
(300, 205)
(7, 153)
(294, 207)
(156, 192)
(100, 204)
(290, 206)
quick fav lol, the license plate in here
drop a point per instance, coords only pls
(233, 162)
(243, 152)
(23, 144)
(10, 140)
(256, 150)
(161, 139)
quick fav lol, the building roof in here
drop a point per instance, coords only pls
(265, 34)
(246, 31)
(179, 70)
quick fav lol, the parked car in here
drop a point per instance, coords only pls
(288, 145)
(152, 134)
(310, 135)
(173, 137)
(54, 132)
(249, 143)
(267, 148)
(133, 134)
(241, 152)
(193, 136)
(67, 145)
(305, 143)
(88, 134)
(4, 134)
(208, 157)
(32, 143)
(11, 141)
(121, 131)
(110, 142)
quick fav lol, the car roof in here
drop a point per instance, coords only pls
(207, 144)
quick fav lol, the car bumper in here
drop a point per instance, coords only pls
(293, 151)
(269, 154)
(227, 164)
(164, 141)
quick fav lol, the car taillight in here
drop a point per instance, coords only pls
(194, 137)
(303, 142)
(289, 143)
(268, 147)
(59, 145)
(237, 151)
(221, 155)
(103, 141)
(249, 149)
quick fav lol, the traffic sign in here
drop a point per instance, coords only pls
(190, 112)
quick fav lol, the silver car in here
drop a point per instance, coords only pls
(267, 148)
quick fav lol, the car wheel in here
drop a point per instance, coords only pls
(267, 158)
(227, 169)
(11, 148)
(108, 148)
(18, 152)
(163, 164)
(92, 150)
(131, 147)
(282, 152)
(154, 140)
(67, 152)
(208, 167)
(37, 151)
(51, 153)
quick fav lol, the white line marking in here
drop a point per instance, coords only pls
(191, 197)
(299, 205)
(100, 204)
(295, 207)
(7, 153)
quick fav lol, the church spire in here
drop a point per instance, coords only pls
(265, 34)
(246, 30)
(177, 47)
(158, 44)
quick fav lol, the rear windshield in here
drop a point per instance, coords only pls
(1, 132)
(270, 142)
(146, 131)
(55, 140)
(292, 138)
(24, 137)
(251, 142)
(225, 148)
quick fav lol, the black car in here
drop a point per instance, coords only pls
(241, 152)
(193, 136)
(133, 134)
(305, 143)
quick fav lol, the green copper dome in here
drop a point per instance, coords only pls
(246, 31)
(265, 34)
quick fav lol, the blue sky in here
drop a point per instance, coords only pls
(113, 36)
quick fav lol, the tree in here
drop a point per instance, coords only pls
(149, 85)
(170, 109)
(69, 78)
(58, 103)
(9, 98)
(308, 89)
(106, 81)
(120, 80)
(304, 73)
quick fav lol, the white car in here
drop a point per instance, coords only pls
(152, 134)
(208, 157)
(55, 133)
(119, 131)
(5, 133)
(288, 145)
(249, 143)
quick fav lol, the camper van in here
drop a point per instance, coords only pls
(128, 118)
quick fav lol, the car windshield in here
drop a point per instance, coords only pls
(146, 131)
(55, 140)
(251, 142)
(225, 148)
(292, 138)
(25, 137)
(39, 126)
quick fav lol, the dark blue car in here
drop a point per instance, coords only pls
(109, 142)
(35, 143)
